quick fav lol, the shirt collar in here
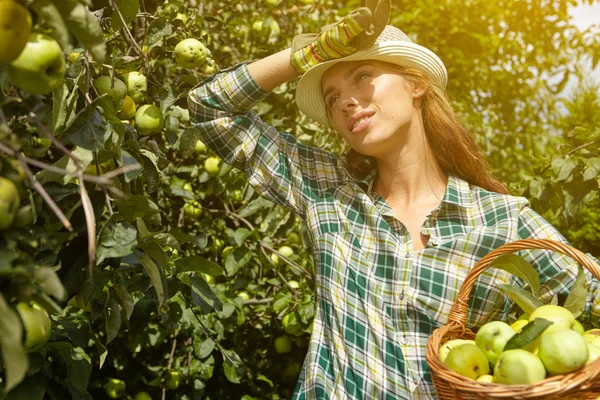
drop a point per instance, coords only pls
(458, 191)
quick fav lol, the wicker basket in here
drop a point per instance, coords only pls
(581, 384)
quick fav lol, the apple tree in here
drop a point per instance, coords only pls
(135, 264)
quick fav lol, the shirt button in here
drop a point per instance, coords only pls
(407, 255)
(404, 340)
(416, 380)
(402, 296)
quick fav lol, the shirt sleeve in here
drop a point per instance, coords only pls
(557, 271)
(277, 166)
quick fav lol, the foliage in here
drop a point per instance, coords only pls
(136, 286)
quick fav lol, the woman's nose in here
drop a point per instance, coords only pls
(349, 103)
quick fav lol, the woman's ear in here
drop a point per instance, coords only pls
(418, 90)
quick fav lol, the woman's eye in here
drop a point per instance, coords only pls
(361, 76)
(332, 100)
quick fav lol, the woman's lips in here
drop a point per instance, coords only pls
(362, 126)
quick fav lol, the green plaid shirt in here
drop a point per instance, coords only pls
(377, 300)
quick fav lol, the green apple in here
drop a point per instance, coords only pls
(275, 259)
(210, 68)
(115, 388)
(291, 370)
(192, 209)
(149, 119)
(115, 89)
(24, 216)
(137, 85)
(486, 378)
(449, 345)
(208, 278)
(560, 317)
(293, 284)
(142, 396)
(200, 147)
(187, 186)
(9, 201)
(226, 251)
(468, 360)
(173, 379)
(592, 336)
(292, 324)
(286, 251)
(15, 27)
(593, 353)
(266, 29)
(492, 337)
(563, 351)
(244, 295)
(127, 110)
(37, 325)
(40, 68)
(577, 327)
(283, 344)
(211, 165)
(518, 366)
(182, 17)
(190, 53)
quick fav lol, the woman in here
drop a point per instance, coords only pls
(396, 223)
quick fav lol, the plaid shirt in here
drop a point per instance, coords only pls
(377, 300)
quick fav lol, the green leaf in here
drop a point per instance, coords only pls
(236, 260)
(198, 264)
(50, 15)
(156, 252)
(589, 173)
(157, 31)
(48, 279)
(66, 163)
(84, 26)
(129, 10)
(112, 317)
(254, 206)
(281, 300)
(519, 267)
(241, 235)
(126, 299)
(528, 334)
(89, 130)
(155, 278)
(78, 364)
(576, 300)
(201, 293)
(566, 169)
(233, 366)
(116, 240)
(203, 348)
(536, 188)
(523, 298)
(11, 339)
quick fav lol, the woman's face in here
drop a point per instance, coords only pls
(370, 105)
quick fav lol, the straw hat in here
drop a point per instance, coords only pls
(392, 46)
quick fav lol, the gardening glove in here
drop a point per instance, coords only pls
(358, 30)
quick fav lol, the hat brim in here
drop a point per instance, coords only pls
(309, 95)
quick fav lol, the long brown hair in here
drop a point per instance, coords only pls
(453, 145)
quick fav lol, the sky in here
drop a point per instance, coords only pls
(585, 16)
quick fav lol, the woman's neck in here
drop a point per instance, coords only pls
(410, 177)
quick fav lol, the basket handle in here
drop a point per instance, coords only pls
(458, 313)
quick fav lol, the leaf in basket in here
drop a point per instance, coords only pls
(554, 300)
(519, 267)
(576, 300)
(528, 334)
(523, 298)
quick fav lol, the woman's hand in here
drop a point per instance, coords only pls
(358, 30)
